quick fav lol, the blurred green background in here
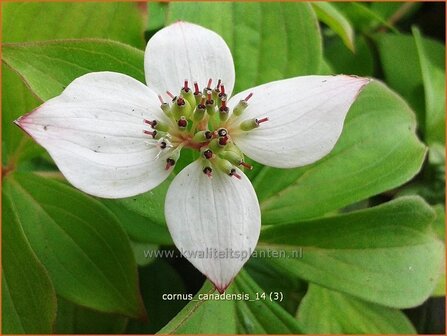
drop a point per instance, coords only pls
(370, 216)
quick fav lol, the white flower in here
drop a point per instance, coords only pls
(111, 138)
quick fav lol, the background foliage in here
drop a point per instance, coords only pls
(369, 216)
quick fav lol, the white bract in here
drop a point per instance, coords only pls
(111, 136)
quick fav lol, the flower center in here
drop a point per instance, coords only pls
(199, 119)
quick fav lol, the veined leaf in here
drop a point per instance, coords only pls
(388, 254)
(433, 77)
(74, 319)
(238, 310)
(336, 20)
(324, 311)
(406, 77)
(143, 215)
(86, 252)
(37, 21)
(28, 297)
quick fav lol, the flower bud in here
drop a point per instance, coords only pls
(216, 146)
(202, 136)
(232, 157)
(188, 95)
(206, 153)
(199, 112)
(158, 125)
(248, 125)
(224, 165)
(181, 107)
(182, 123)
(171, 160)
(166, 109)
(210, 109)
(240, 107)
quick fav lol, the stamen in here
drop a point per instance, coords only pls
(202, 136)
(224, 104)
(223, 140)
(196, 88)
(250, 124)
(241, 106)
(153, 134)
(246, 165)
(209, 96)
(208, 154)
(187, 110)
(202, 102)
(162, 144)
(208, 172)
(260, 121)
(169, 163)
(180, 101)
(222, 132)
(233, 173)
(223, 110)
(152, 123)
(182, 122)
(164, 106)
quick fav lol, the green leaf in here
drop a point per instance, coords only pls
(388, 254)
(237, 309)
(17, 100)
(262, 316)
(86, 252)
(377, 151)
(406, 77)
(48, 67)
(158, 280)
(156, 15)
(143, 215)
(439, 223)
(200, 316)
(144, 253)
(342, 60)
(74, 319)
(271, 279)
(433, 77)
(395, 11)
(36, 21)
(325, 69)
(336, 20)
(440, 286)
(439, 227)
(324, 311)
(259, 35)
(363, 17)
(28, 297)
